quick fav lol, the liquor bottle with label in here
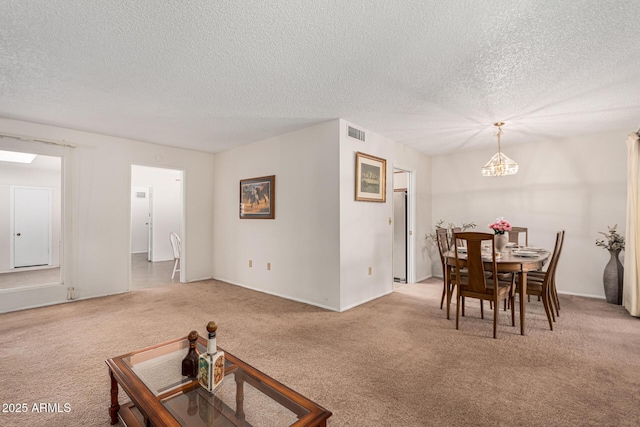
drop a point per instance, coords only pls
(211, 365)
(190, 362)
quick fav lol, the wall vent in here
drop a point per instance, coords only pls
(141, 195)
(355, 133)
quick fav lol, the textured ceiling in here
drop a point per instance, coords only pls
(435, 75)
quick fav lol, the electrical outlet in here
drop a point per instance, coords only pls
(268, 266)
(370, 270)
(250, 263)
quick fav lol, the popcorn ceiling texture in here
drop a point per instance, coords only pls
(432, 74)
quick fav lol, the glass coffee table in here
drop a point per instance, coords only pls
(161, 396)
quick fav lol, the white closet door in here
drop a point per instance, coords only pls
(32, 226)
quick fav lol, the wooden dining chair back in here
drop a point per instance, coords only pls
(553, 291)
(442, 239)
(455, 230)
(514, 235)
(543, 286)
(478, 284)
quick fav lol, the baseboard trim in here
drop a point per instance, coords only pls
(277, 294)
(199, 280)
(349, 307)
(426, 277)
(576, 294)
(64, 301)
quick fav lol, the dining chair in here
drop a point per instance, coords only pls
(455, 230)
(514, 235)
(449, 274)
(539, 276)
(176, 246)
(543, 287)
(442, 238)
(476, 284)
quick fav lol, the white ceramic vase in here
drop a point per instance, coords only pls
(501, 242)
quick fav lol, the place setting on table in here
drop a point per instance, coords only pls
(511, 249)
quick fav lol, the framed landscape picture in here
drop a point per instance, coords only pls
(371, 178)
(257, 197)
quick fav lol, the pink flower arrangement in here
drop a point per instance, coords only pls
(500, 226)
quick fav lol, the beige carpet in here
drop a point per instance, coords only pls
(393, 361)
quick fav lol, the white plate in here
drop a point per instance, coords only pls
(532, 249)
(525, 253)
(463, 250)
(511, 245)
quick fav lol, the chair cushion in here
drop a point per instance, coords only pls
(503, 287)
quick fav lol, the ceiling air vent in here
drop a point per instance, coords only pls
(355, 133)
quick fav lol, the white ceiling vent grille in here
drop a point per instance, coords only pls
(355, 133)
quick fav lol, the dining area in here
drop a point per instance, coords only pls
(498, 267)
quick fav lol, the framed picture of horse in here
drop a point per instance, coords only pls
(257, 198)
(371, 178)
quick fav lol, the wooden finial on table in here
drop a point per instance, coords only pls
(212, 326)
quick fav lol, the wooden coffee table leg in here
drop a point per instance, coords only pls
(239, 396)
(115, 406)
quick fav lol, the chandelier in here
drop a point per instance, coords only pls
(499, 165)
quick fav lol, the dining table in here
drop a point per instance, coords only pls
(514, 259)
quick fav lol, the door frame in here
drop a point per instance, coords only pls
(150, 226)
(405, 197)
(411, 225)
(12, 208)
(183, 217)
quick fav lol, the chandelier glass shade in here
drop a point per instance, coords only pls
(499, 165)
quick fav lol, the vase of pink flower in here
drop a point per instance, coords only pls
(499, 227)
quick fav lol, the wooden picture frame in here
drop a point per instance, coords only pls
(371, 178)
(257, 198)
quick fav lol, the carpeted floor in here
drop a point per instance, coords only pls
(393, 361)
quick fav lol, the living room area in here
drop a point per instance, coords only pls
(277, 131)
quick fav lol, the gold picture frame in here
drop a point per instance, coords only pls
(371, 178)
(257, 198)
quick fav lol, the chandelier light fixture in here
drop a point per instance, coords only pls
(499, 165)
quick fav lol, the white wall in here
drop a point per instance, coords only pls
(366, 237)
(302, 242)
(28, 175)
(166, 186)
(576, 184)
(322, 242)
(97, 209)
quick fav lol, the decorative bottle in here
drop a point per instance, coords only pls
(190, 362)
(211, 365)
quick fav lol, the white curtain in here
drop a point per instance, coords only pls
(631, 287)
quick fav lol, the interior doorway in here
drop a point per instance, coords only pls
(156, 212)
(30, 220)
(400, 235)
(402, 226)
